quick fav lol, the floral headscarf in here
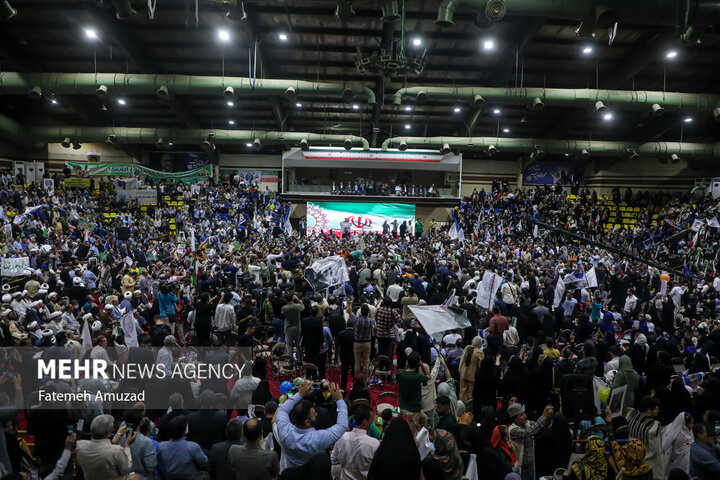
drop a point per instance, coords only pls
(447, 454)
(592, 466)
(630, 458)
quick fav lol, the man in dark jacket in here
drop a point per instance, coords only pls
(218, 459)
(345, 343)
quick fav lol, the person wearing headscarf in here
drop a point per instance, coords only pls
(553, 446)
(515, 380)
(492, 464)
(448, 388)
(626, 376)
(469, 362)
(678, 400)
(500, 441)
(485, 387)
(262, 394)
(677, 438)
(593, 465)
(445, 463)
(541, 385)
(397, 457)
(628, 460)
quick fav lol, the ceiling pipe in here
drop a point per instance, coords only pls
(148, 84)
(559, 147)
(390, 10)
(14, 132)
(561, 97)
(149, 136)
(593, 14)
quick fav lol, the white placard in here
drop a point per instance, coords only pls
(15, 266)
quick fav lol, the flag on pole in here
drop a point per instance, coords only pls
(559, 292)
(86, 338)
(591, 278)
(536, 231)
(192, 240)
(452, 300)
(287, 226)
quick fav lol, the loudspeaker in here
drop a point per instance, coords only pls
(578, 400)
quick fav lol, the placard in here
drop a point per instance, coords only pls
(15, 266)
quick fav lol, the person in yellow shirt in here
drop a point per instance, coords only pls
(549, 349)
(128, 282)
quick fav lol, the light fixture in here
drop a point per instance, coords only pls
(403, 146)
(407, 126)
(587, 50)
(283, 37)
(417, 41)
(537, 104)
(35, 93)
(408, 109)
(675, 158)
(66, 142)
(657, 110)
(492, 150)
(457, 109)
(91, 33)
(566, 154)
(298, 105)
(496, 111)
(121, 101)
(607, 117)
(101, 92)
(506, 130)
(584, 154)
(304, 145)
(600, 106)
(356, 106)
(446, 148)
(223, 35)
(53, 101)
(230, 103)
(488, 44)
(76, 146)
(170, 144)
(249, 145)
(231, 122)
(688, 120)
(257, 143)
(6, 10)
(671, 54)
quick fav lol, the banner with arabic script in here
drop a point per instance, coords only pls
(129, 170)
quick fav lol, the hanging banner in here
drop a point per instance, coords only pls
(176, 162)
(250, 176)
(140, 195)
(549, 173)
(15, 266)
(129, 170)
(76, 182)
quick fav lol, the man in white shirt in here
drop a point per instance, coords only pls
(101, 457)
(394, 290)
(165, 357)
(353, 453)
(630, 301)
(224, 316)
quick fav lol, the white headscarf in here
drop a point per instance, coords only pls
(676, 442)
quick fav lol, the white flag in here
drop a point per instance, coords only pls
(128, 326)
(486, 289)
(536, 232)
(86, 338)
(452, 301)
(713, 222)
(453, 233)
(559, 292)
(461, 235)
(288, 226)
(697, 224)
(192, 240)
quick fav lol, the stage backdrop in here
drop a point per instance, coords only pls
(362, 217)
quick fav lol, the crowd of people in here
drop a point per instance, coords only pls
(370, 187)
(491, 401)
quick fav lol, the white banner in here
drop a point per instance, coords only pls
(250, 176)
(327, 272)
(142, 196)
(591, 278)
(15, 266)
(436, 318)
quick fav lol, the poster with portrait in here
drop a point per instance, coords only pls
(551, 173)
(617, 400)
(173, 162)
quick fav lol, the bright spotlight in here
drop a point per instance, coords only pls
(408, 109)
(170, 144)
(417, 41)
(231, 122)
(671, 54)
(488, 45)
(91, 34)
(688, 120)
(230, 104)
(456, 109)
(53, 101)
(496, 111)
(283, 37)
(407, 126)
(607, 117)
(356, 106)
(506, 130)
(587, 50)
(249, 145)
(298, 105)
(121, 101)
(223, 35)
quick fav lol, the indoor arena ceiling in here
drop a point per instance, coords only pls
(309, 41)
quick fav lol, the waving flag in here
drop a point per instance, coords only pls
(327, 272)
(287, 226)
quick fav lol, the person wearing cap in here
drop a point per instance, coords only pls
(522, 435)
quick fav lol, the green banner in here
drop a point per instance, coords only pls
(131, 170)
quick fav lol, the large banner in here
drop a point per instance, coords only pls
(174, 162)
(15, 266)
(549, 173)
(85, 169)
(140, 195)
(76, 182)
(358, 217)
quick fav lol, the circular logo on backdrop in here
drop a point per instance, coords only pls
(360, 222)
(316, 220)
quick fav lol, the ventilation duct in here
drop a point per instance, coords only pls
(148, 84)
(541, 147)
(390, 11)
(560, 97)
(591, 14)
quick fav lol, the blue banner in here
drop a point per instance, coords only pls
(551, 173)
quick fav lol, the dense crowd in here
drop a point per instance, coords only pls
(490, 401)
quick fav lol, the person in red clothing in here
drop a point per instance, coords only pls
(498, 325)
